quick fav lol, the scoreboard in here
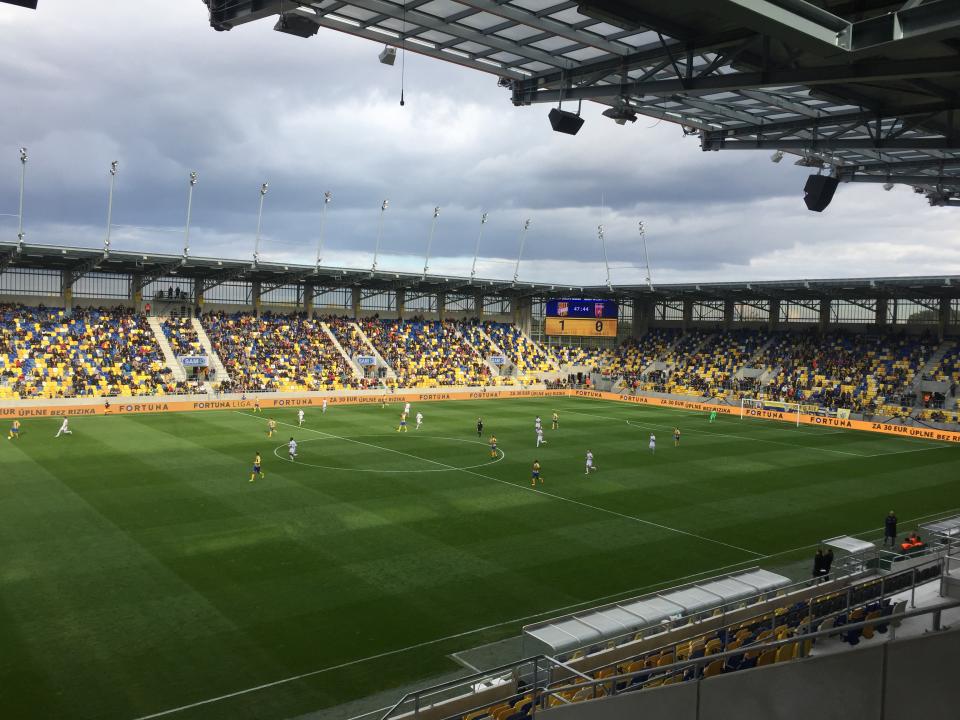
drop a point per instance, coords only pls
(581, 318)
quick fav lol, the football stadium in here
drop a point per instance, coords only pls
(268, 486)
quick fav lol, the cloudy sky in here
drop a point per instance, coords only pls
(150, 84)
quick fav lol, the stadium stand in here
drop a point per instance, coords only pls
(45, 353)
(528, 358)
(426, 353)
(712, 369)
(182, 337)
(276, 353)
(628, 362)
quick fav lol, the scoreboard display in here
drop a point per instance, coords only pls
(581, 318)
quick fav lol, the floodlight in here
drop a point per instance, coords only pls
(777, 156)
(23, 155)
(620, 115)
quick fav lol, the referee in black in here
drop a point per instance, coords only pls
(479, 427)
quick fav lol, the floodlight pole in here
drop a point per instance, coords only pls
(476, 249)
(523, 239)
(23, 172)
(606, 262)
(376, 250)
(433, 226)
(327, 197)
(256, 245)
(646, 257)
(186, 233)
(114, 167)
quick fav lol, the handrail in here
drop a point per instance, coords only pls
(725, 608)
(769, 645)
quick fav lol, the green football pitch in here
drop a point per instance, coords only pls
(142, 574)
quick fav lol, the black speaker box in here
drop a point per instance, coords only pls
(818, 192)
(565, 122)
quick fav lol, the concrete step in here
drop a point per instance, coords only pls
(156, 324)
(212, 358)
(357, 372)
(373, 351)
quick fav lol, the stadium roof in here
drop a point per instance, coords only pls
(869, 88)
(148, 267)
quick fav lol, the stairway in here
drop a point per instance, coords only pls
(932, 363)
(373, 351)
(547, 353)
(357, 372)
(494, 369)
(507, 367)
(156, 324)
(212, 358)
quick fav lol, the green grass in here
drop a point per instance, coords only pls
(141, 571)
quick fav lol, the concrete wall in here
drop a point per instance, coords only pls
(912, 678)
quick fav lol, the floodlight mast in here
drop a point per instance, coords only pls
(186, 234)
(114, 167)
(523, 239)
(603, 244)
(433, 226)
(646, 257)
(376, 250)
(23, 173)
(327, 197)
(476, 249)
(256, 244)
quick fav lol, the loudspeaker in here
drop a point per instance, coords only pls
(818, 192)
(565, 122)
(32, 4)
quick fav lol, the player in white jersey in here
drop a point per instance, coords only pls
(536, 423)
(292, 449)
(323, 410)
(653, 443)
(590, 467)
(64, 428)
(540, 440)
(419, 420)
(406, 409)
(300, 417)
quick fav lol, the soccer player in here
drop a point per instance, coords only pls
(257, 473)
(300, 418)
(479, 427)
(14, 430)
(419, 420)
(676, 437)
(535, 474)
(556, 421)
(406, 409)
(403, 423)
(493, 446)
(323, 409)
(536, 423)
(540, 440)
(64, 428)
(590, 467)
(292, 449)
(256, 406)
(271, 427)
(713, 415)
(653, 443)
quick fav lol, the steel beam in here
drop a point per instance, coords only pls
(864, 72)
(814, 145)
(463, 32)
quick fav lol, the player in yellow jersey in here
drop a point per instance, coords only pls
(257, 472)
(676, 437)
(556, 421)
(493, 446)
(14, 431)
(256, 406)
(403, 423)
(271, 427)
(535, 474)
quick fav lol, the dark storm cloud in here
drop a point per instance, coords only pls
(150, 84)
